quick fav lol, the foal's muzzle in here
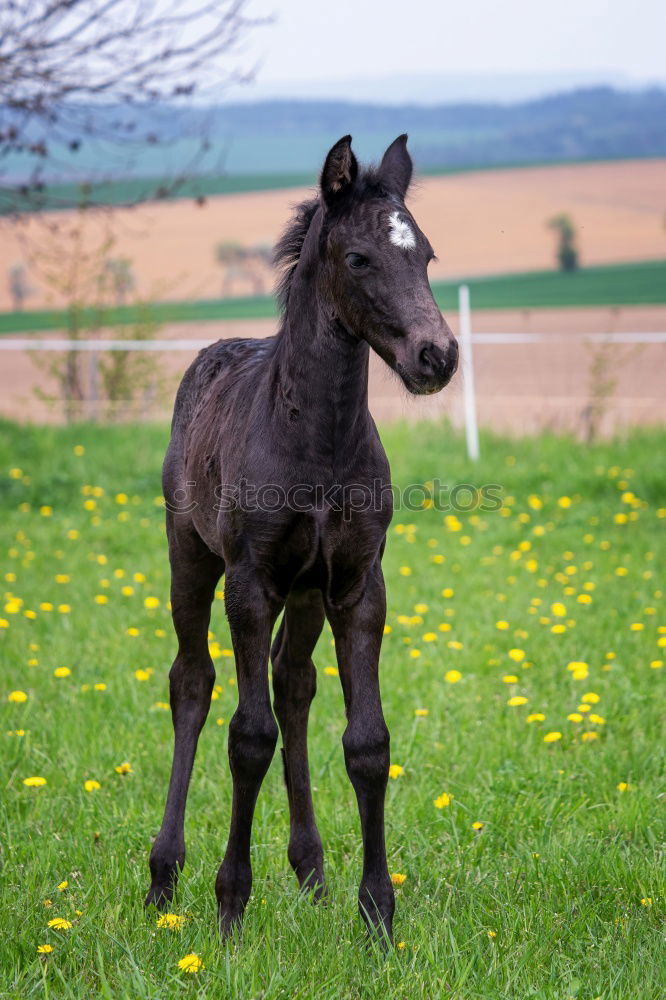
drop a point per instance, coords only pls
(436, 364)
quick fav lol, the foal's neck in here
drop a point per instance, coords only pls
(323, 378)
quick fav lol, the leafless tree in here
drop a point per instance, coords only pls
(74, 71)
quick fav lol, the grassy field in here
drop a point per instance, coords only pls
(523, 685)
(641, 283)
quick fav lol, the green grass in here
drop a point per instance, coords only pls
(642, 283)
(564, 860)
(132, 190)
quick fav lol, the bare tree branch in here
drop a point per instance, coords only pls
(65, 65)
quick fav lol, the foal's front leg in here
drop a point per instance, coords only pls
(253, 735)
(195, 572)
(294, 685)
(358, 632)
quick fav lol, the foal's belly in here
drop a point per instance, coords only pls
(321, 550)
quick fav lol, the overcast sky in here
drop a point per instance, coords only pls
(333, 39)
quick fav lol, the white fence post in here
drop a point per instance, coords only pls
(469, 394)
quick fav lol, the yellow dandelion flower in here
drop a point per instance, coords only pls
(576, 665)
(17, 697)
(442, 801)
(452, 676)
(63, 885)
(575, 717)
(536, 717)
(398, 878)
(564, 503)
(395, 770)
(552, 737)
(191, 963)
(646, 901)
(171, 921)
(34, 782)
(517, 699)
(331, 671)
(151, 602)
(62, 672)
(623, 786)
(588, 737)
(596, 720)
(517, 655)
(44, 949)
(400, 946)
(124, 768)
(64, 609)
(510, 679)
(142, 675)
(91, 785)
(405, 571)
(477, 825)
(60, 924)
(421, 712)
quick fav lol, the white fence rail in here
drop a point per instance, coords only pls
(58, 344)
(467, 337)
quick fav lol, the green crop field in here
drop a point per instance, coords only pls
(522, 676)
(643, 283)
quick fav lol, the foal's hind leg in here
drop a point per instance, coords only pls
(294, 685)
(358, 634)
(195, 572)
(252, 734)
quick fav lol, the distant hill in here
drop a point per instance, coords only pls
(288, 136)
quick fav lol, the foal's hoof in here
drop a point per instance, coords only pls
(314, 886)
(159, 896)
(377, 913)
(230, 917)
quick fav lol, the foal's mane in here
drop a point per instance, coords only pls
(288, 248)
(287, 252)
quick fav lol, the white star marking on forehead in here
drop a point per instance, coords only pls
(401, 234)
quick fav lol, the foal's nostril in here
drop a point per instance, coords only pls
(431, 358)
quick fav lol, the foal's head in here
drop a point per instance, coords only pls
(374, 259)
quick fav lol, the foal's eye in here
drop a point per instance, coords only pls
(357, 261)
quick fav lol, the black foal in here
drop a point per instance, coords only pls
(276, 477)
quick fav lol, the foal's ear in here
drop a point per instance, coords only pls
(339, 171)
(396, 167)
